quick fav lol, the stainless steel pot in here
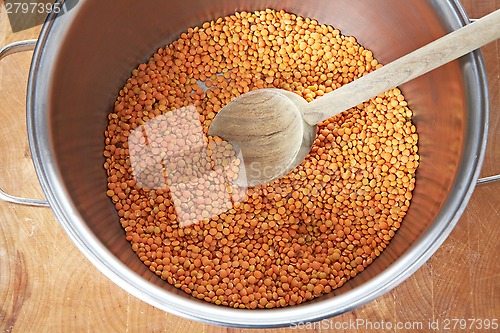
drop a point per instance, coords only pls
(84, 56)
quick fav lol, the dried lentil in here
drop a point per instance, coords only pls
(288, 241)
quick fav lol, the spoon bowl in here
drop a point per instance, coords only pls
(268, 130)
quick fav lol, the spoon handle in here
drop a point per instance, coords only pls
(406, 68)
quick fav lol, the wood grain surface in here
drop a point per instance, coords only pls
(47, 285)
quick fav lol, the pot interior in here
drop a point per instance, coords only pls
(103, 42)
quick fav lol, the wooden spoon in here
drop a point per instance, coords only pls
(274, 129)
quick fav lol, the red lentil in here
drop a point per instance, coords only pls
(285, 242)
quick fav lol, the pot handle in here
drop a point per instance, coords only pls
(21, 46)
(489, 179)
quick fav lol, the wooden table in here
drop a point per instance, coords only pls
(47, 285)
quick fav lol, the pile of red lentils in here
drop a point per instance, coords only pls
(298, 237)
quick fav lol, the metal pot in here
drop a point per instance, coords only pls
(83, 57)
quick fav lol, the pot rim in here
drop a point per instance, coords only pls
(67, 214)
